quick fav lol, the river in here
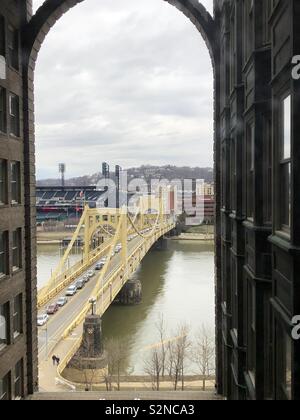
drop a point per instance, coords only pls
(177, 283)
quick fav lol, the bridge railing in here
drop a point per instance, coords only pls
(65, 279)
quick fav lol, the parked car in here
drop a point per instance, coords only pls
(91, 274)
(80, 284)
(62, 301)
(72, 290)
(52, 309)
(103, 260)
(42, 320)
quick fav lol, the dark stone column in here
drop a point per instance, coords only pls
(131, 294)
(162, 244)
(92, 343)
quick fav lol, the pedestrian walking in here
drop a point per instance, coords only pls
(54, 360)
(57, 361)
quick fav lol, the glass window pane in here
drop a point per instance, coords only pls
(15, 182)
(19, 380)
(285, 195)
(3, 183)
(17, 316)
(4, 330)
(13, 48)
(288, 367)
(2, 109)
(5, 388)
(2, 36)
(3, 254)
(14, 114)
(287, 128)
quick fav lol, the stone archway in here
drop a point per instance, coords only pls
(52, 10)
(34, 34)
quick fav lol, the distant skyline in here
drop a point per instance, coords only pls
(133, 85)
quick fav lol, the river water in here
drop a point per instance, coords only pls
(177, 284)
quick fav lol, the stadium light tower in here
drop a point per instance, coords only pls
(62, 171)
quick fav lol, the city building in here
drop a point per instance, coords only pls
(257, 192)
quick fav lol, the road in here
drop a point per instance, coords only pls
(51, 333)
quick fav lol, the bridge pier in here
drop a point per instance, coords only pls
(162, 244)
(131, 293)
(89, 364)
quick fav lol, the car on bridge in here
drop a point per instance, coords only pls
(80, 284)
(99, 266)
(42, 320)
(52, 309)
(85, 279)
(72, 290)
(62, 301)
(118, 248)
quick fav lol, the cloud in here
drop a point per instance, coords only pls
(127, 82)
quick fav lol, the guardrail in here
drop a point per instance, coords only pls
(65, 279)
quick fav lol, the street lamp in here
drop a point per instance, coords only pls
(93, 301)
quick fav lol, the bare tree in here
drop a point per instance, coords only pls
(116, 350)
(153, 367)
(178, 351)
(161, 328)
(203, 354)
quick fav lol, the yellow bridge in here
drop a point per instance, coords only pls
(121, 238)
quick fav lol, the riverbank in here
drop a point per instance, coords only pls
(143, 383)
(203, 237)
(53, 238)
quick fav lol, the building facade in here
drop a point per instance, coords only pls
(18, 331)
(257, 193)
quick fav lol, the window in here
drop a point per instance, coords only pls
(3, 182)
(15, 183)
(5, 388)
(233, 174)
(18, 381)
(4, 325)
(232, 51)
(284, 362)
(251, 332)
(2, 110)
(13, 47)
(267, 169)
(2, 36)
(17, 249)
(3, 253)
(285, 165)
(17, 316)
(14, 115)
(250, 169)
(288, 367)
(248, 28)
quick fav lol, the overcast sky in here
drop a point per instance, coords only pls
(128, 82)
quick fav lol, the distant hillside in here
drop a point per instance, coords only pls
(147, 172)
